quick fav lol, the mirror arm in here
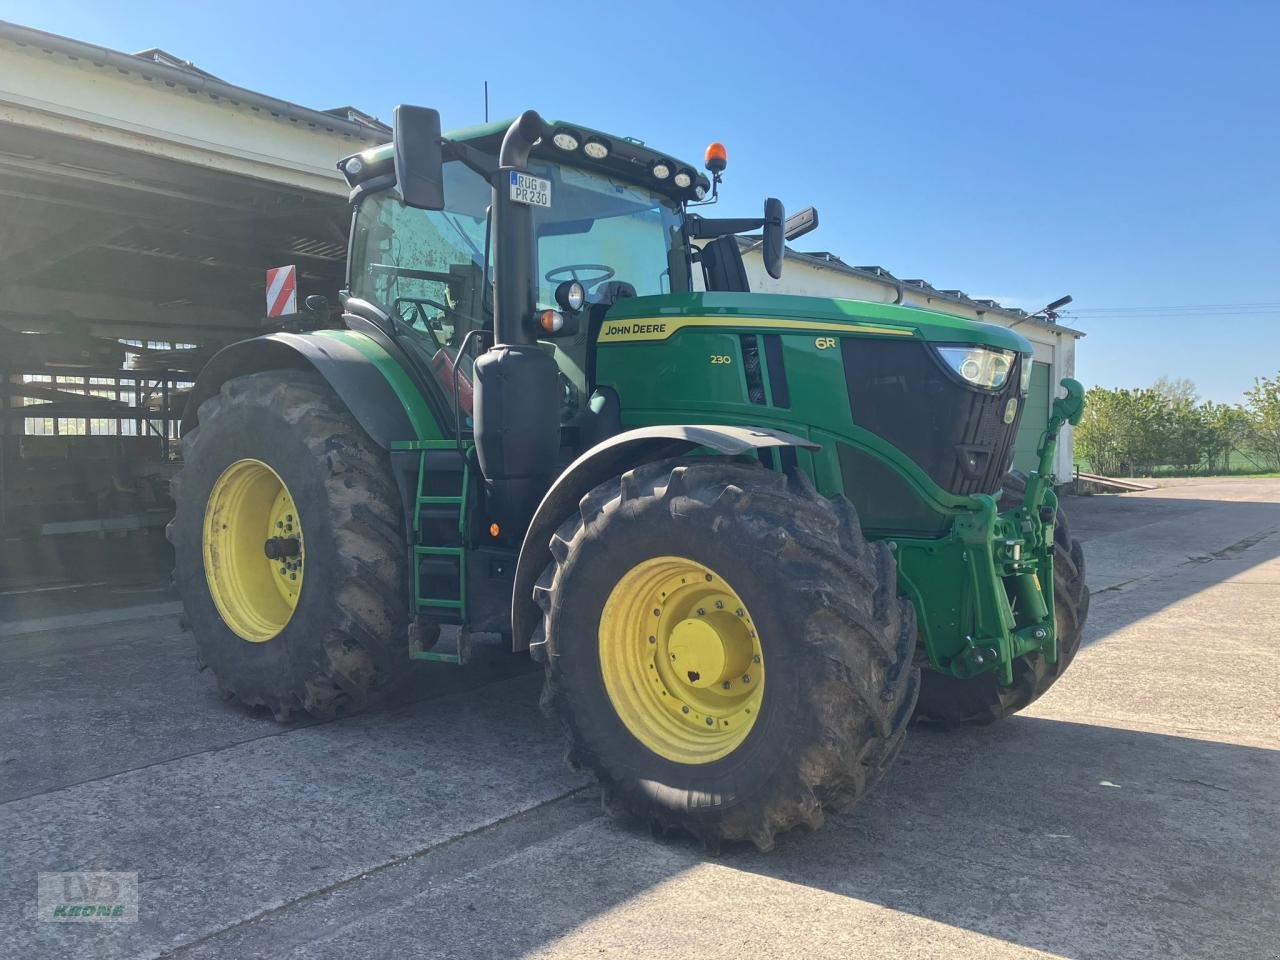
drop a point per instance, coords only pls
(482, 163)
(703, 228)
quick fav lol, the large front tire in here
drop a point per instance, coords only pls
(724, 650)
(321, 628)
(949, 701)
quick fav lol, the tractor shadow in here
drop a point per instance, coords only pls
(1017, 832)
(1083, 841)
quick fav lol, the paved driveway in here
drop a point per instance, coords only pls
(1132, 812)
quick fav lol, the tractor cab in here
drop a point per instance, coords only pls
(608, 220)
(432, 271)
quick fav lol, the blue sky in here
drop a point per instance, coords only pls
(1126, 153)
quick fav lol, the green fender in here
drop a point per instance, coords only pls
(608, 459)
(376, 389)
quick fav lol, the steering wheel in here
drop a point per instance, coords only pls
(606, 273)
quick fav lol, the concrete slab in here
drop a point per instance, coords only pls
(1135, 535)
(222, 835)
(1129, 813)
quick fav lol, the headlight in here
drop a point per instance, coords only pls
(1025, 384)
(565, 139)
(571, 295)
(595, 149)
(980, 366)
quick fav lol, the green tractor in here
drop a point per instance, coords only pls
(749, 536)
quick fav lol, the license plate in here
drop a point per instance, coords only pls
(531, 190)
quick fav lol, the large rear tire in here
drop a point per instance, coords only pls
(322, 627)
(950, 702)
(724, 650)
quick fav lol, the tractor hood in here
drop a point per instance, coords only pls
(659, 317)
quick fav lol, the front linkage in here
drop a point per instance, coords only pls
(1009, 561)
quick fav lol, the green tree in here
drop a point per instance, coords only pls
(1176, 390)
(1263, 405)
(1184, 435)
(1123, 432)
(1227, 431)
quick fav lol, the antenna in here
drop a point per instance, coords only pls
(1050, 312)
(486, 101)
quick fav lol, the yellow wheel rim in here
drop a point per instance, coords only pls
(681, 660)
(253, 550)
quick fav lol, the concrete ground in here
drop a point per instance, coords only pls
(1132, 812)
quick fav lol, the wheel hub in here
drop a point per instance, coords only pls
(282, 548)
(681, 660)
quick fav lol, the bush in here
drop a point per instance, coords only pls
(1263, 405)
(1133, 432)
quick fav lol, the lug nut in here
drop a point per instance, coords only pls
(746, 678)
(710, 722)
(740, 612)
(653, 639)
(702, 612)
(756, 658)
(684, 709)
(726, 684)
(719, 604)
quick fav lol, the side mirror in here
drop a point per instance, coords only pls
(419, 160)
(771, 249)
(798, 224)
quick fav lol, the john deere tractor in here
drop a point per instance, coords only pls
(749, 536)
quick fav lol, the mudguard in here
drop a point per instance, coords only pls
(610, 458)
(366, 378)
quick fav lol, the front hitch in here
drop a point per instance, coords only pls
(1009, 560)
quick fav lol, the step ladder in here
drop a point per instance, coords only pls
(439, 550)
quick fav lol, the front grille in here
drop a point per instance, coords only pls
(901, 392)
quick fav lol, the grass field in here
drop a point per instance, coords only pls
(1240, 465)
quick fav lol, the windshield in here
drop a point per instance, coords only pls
(617, 239)
(604, 231)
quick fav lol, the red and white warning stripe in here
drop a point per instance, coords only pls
(282, 291)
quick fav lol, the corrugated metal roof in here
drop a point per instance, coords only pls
(825, 259)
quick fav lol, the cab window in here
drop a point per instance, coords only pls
(425, 269)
